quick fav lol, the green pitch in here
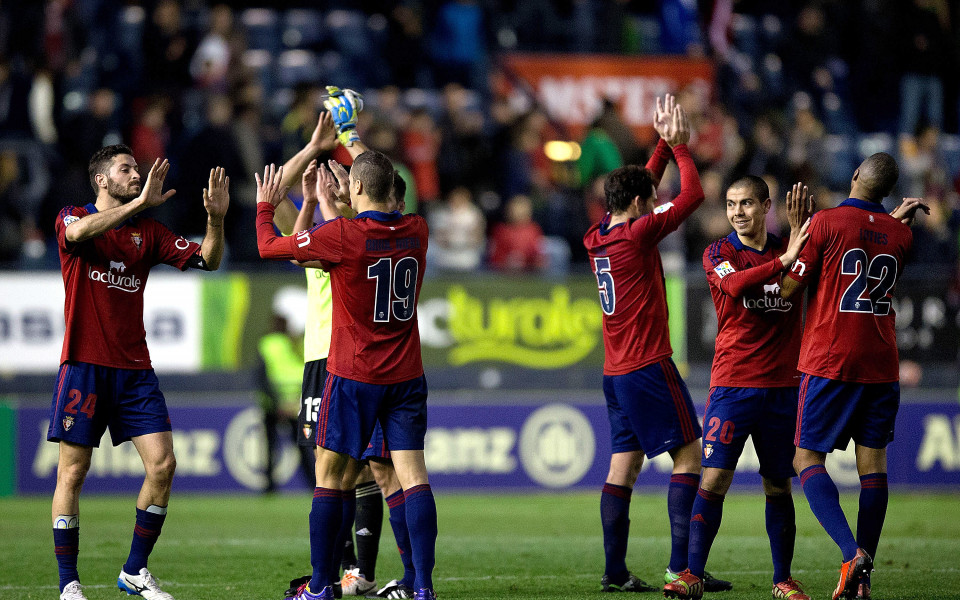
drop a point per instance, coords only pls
(490, 546)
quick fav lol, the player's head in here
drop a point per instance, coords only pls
(875, 177)
(627, 184)
(371, 177)
(399, 192)
(114, 170)
(748, 202)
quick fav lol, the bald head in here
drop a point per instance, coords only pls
(876, 176)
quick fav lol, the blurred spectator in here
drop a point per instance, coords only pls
(806, 152)
(150, 134)
(680, 28)
(167, 49)
(301, 119)
(404, 49)
(922, 164)
(210, 65)
(599, 153)
(517, 244)
(458, 45)
(465, 152)
(420, 143)
(924, 34)
(935, 236)
(14, 101)
(457, 233)
(709, 223)
(24, 183)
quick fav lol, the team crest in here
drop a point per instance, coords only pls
(307, 432)
(137, 239)
(708, 450)
(67, 423)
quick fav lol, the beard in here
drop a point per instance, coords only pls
(122, 193)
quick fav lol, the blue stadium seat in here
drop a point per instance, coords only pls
(297, 66)
(840, 160)
(871, 143)
(349, 32)
(260, 64)
(263, 28)
(745, 35)
(950, 150)
(302, 28)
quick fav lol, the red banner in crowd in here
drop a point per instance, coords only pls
(572, 87)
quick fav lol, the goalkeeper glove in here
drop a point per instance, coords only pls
(344, 106)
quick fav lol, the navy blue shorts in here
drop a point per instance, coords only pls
(350, 410)
(89, 398)
(314, 376)
(650, 410)
(769, 415)
(831, 413)
(377, 448)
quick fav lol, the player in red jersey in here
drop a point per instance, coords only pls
(648, 404)
(375, 370)
(106, 252)
(755, 326)
(849, 388)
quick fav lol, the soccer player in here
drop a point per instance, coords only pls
(753, 383)
(375, 371)
(849, 388)
(648, 404)
(106, 252)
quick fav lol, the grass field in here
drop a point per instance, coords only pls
(490, 546)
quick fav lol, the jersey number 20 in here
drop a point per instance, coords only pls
(608, 297)
(882, 270)
(396, 292)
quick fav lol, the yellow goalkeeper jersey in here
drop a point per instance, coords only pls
(319, 321)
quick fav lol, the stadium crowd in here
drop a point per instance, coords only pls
(804, 90)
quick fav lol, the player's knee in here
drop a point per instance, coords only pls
(776, 487)
(72, 475)
(162, 470)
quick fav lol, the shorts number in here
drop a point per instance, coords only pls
(89, 405)
(726, 431)
(396, 292)
(310, 407)
(608, 297)
(882, 269)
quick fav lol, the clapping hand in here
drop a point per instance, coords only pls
(269, 188)
(151, 194)
(216, 196)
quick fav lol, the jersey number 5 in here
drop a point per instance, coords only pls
(608, 296)
(882, 270)
(396, 288)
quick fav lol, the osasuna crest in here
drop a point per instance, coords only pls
(137, 239)
(307, 432)
(708, 450)
(68, 423)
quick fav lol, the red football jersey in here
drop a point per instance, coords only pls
(376, 263)
(851, 263)
(626, 262)
(758, 332)
(104, 278)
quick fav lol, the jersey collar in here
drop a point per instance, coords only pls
(734, 239)
(377, 215)
(864, 204)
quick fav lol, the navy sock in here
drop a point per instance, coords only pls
(707, 513)
(615, 518)
(66, 546)
(422, 525)
(680, 495)
(824, 501)
(326, 515)
(873, 511)
(369, 526)
(145, 535)
(782, 531)
(345, 532)
(398, 522)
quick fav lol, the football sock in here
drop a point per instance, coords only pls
(66, 546)
(707, 513)
(615, 518)
(782, 530)
(398, 522)
(824, 501)
(345, 532)
(683, 489)
(422, 525)
(145, 535)
(326, 515)
(873, 510)
(369, 527)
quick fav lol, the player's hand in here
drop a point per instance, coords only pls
(269, 188)
(799, 206)
(216, 196)
(150, 194)
(324, 138)
(663, 115)
(343, 181)
(797, 241)
(327, 187)
(344, 105)
(679, 129)
(310, 182)
(908, 210)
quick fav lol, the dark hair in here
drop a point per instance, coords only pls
(878, 175)
(375, 172)
(399, 186)
(625, 184)
(102, 159)
(757, 186)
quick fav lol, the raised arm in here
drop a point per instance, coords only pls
(907, 210)
(93, 225)
(216, 200)
(323, 140)
(662, 122)
(270, 193)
